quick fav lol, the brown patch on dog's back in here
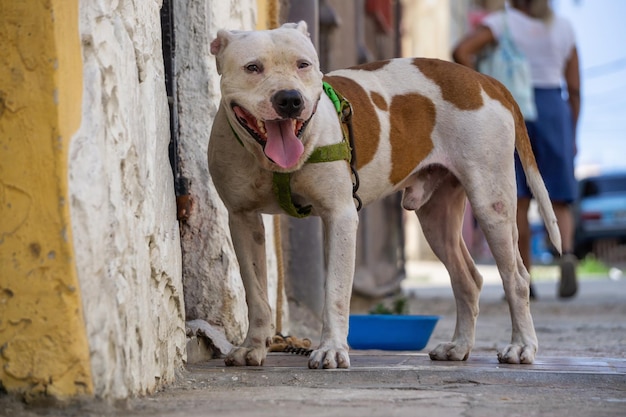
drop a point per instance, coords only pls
(460, 85)
(412, 122)
(379, 101)
(450, 78)
(365, 124)
(371, 66)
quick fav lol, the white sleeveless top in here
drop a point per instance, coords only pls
(547, 46)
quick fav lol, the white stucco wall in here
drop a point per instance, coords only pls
(123, 210)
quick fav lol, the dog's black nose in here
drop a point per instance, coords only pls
(288, 103)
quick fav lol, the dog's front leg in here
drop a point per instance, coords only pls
(340, 229)
(248, 234)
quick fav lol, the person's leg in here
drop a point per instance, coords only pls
(565, 220)
(552, 139)
(568, 283)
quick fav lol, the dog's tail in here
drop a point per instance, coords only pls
(535, 182)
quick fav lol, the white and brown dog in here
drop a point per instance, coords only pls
(437, 130)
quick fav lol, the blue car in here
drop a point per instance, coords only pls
(600, 211)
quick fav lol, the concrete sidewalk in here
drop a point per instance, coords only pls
(580, 370)
(378, 384)
(384, 384)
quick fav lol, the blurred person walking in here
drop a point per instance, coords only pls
(549, 45)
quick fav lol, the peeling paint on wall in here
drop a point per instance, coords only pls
(123, 204)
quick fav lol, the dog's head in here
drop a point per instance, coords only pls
(271, 83)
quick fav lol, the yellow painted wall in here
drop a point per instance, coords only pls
(43, 344)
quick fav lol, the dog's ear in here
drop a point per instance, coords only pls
(301, 26)
(217, 46)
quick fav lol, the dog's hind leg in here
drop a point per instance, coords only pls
(248, 234)
(441, 217)
(495, 210)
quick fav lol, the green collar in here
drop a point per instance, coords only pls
(282, 180)
(329, 153)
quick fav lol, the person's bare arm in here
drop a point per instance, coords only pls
(466, 50)
(572, 78)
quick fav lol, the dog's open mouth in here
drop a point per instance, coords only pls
(280, 139)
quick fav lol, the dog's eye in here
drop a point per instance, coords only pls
(253, 68)
(303, 64)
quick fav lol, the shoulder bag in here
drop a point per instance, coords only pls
(507, 64)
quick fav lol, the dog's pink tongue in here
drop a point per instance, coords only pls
(283, 146)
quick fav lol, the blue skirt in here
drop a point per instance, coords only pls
(552, 140)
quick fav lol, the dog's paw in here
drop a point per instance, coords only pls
(242, 356)
(329, 359)
(517, 354)
(449, 352)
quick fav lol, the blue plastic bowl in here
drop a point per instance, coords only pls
(390, 332)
